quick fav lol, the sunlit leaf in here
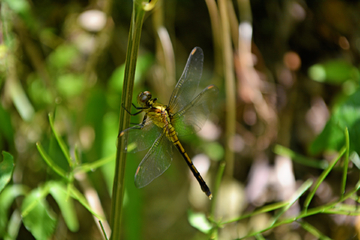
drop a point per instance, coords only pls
(334, 71)
(214, 150)
(199, 221)
(21, 101)
(18, 6)
(39, 93)
(23, 9)
(70, 84)
(66, 205)
(7, 197)
(354, 157)
(14, 225)
(63, 56)
(39, 218)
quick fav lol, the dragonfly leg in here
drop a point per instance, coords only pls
(137, 126)
(138, 108)
(132, 114)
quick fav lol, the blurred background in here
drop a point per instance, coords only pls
(288, 74)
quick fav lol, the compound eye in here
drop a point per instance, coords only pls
(144, 96)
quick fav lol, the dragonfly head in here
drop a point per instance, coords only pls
(144, 98)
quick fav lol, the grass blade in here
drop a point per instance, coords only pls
(322, 177)
(61, 143)
(346, 162)
(283, 151)
(303, 188)
(50, 162)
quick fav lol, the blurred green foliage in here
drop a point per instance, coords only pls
(51, 64)
(346, 114)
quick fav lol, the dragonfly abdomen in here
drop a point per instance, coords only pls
(193, 169)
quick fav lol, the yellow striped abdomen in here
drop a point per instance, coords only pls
(172, 136)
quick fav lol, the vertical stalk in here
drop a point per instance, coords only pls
(130, 65)
(227, 164)
(229, 85)
(216, 32)
(346, 162)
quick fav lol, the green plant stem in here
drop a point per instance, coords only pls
(229, 86)
(285, 205)
(265, 209)
(322, 177)
(346, 163)
(306, 213)
(215, 29)
(130, 65)
(50, 162)
(311, 229)
(304, 187)
(219, 176)
(59, 140)
(306, 161)
(87, 167)
(103, 230)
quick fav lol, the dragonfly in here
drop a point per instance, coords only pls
(162, 125)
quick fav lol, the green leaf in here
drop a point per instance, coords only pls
(199, 221)
(66, 205)
(38, 218)
(23, 9)
(214, 150)
(334, 71)
(63, 56)
(7, 197)
(6, 169)
(345, 115)
(70, 85)
(39, 93)
(18, 6)
(354, 157)
(14, 225)
(331, 138)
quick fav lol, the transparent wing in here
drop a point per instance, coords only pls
(155, 162)
(188, 83)
(192, 117)
(141, 136)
